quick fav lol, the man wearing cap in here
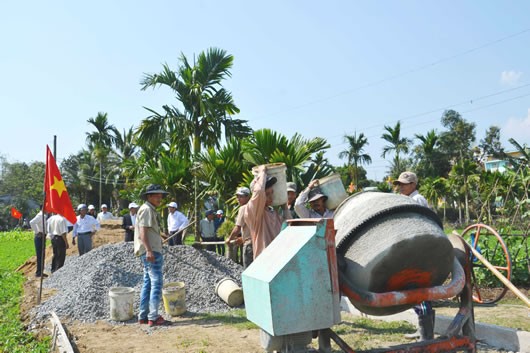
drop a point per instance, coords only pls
(57, 230)
(217, 221)
(129, 221)
(104, 215)
(92, 211)
(317, 202)
(241, 233)
(148, 246)
(85, 227)
(407, 186)
(291, 198)
(176, 221)
(263, 221)
(207, 229)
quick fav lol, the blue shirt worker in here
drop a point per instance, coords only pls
(84, 229)
(148, 246)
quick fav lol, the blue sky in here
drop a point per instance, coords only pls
(318, 68)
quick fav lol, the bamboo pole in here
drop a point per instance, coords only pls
(499, 275)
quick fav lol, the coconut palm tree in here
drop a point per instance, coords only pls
(397, 145)
(355, 154)
(206, 108)
(268, 146)
(100, 142)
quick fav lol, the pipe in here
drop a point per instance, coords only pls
(411, 296)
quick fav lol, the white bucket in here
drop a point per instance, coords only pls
(174, 297)
(121, 301)
(333, 188)
(278, 170)
(229, 291)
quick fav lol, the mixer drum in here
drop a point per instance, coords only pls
(390, 243)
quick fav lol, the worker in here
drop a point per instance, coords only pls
(57, 229)
(241, 233)
(38, 225)
(291, 198)
(263, 221)
(407, 184)
(148, 246)
(176, 222)
(317, 202)
(207, 229)
(84, 229)
(104, 215)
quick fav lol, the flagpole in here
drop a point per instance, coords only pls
(43, 256)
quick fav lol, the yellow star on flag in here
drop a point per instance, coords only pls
(58, 185)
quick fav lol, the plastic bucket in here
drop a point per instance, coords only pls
(121, 301)
(333, 188)
(278, 170)
(174, 297)
(229, 291)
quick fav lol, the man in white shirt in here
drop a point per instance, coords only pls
(39, 229)
(407, 184)
(207, 228)
(176, 221)
(85, 227)
(57, 229)
(104, 215)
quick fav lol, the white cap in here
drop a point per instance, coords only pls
(81, 206)
(133, 205)
(91, 207)
(219, 212)
(104, 206)
(173, 204)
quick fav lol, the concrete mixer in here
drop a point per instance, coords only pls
(382, 251)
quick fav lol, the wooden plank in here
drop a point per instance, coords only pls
(63, 343)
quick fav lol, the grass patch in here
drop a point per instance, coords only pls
(363, 333)
(236, 318)
(15, 248)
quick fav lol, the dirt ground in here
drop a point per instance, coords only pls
(185, 334)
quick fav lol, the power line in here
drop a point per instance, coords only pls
(400, 74)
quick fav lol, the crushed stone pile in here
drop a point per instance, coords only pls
(84, 281)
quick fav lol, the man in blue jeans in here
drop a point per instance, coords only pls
(148, 245)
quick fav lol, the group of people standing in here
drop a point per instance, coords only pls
(56, 227)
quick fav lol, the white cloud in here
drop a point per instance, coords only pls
(518, 128)
(510, 78)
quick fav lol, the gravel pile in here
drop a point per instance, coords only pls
(84, 281)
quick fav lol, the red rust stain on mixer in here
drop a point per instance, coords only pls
(409, 278)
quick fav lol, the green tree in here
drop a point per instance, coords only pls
(355, 155)
(207, 108)
(456, 143)
(301, 156)
(100, 142)
(490, 145)
(397, 145)
(429, 162)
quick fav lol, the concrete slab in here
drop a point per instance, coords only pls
(493, 335)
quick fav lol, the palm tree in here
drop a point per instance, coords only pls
(100, 142)
(207, 108)
(268, 146)
(397, 145)
(355, 153)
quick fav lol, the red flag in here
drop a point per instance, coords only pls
(15, 213)
(57, 199)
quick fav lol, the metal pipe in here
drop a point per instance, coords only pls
(411, 296)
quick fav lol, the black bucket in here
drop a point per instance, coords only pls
(390, 243)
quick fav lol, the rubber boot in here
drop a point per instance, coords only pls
(426, 323)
